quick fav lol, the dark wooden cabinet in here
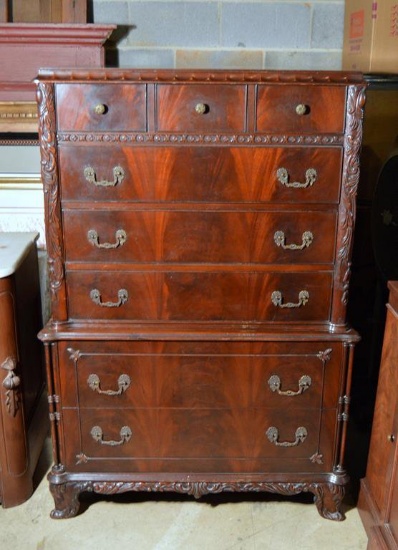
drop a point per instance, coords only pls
(378, 500)
(23, 406)
(199, 232)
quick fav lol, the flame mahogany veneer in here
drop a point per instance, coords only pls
(199, 231)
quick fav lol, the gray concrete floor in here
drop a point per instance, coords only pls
(160, 522)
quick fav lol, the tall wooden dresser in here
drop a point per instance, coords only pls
(199, 232)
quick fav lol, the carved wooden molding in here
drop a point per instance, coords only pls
(18, 116)
(205, 76)
(45, 100)
(201, 139)
(328, 496)
(351, 166)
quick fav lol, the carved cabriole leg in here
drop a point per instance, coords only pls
(328, 499)
(66, 498)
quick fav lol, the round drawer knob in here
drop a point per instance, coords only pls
(202, 108)
(100, 109)
(301, 109)
(391, 438)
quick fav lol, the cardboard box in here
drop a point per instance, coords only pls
(371, 36)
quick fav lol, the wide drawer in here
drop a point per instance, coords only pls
(198, 295)
(105, 107)
(200, 440)
(200, 174)
(200, 108)
(301, 109)
(191, 236)
(206, 375)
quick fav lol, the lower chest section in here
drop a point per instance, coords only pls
(198, 406)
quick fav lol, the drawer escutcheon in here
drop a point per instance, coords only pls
(310, 178)
(280, 240)
(125, 436)
(123, 383)
(122, 294)
(120, 239)
(275, 385)
(277, 299)
(273, 436)
(91, 177)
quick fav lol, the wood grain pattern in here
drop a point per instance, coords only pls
(211, 166)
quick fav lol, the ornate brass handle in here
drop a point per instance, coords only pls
(123, 383)
(100, 109)
(273, 435)
(202, 108)
(280, 240)
(91, 177)
(120, 236)
(276, 298)
(275, 384)
(302, 109)
(122, 294)
(310, 178)
(125, 436)
(11, 382)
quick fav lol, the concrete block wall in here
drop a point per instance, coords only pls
(250, 34)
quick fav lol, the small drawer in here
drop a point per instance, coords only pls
(200, 296)
(200, 108)
(201, 174)
(199, 237)
(301, 109)
(104, 108)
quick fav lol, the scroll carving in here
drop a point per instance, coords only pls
(352, 143)
(47, 139)
(328, 496)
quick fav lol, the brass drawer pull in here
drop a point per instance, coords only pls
(310, 178)
(276, 298)
(202, 108)
(123, 383)
(273, 435)
(125, 436)
(122, 294)
(275, 385)
(100, 109)
(91, 177)
(302, 109)
(120, 237)
(280, 240)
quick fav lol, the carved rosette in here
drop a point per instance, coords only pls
(47, 138)
(352, 144)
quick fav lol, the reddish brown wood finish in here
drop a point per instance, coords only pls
(23, 411)
(378, 500)
(199, 237)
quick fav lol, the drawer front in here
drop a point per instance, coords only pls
(196, 381)
(201, 108)
(301, 109)
(200, 174)
(180, 296)
(199, 237)
(105, 107)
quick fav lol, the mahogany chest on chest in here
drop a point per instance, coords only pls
(199, 231)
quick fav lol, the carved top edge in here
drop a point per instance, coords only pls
(202, 76)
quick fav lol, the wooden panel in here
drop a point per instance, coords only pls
(324, 109)
(200, 174)
(199, 237)
(222, 108)
(198, 296)
(101, 108)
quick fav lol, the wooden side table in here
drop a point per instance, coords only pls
(23, 406)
